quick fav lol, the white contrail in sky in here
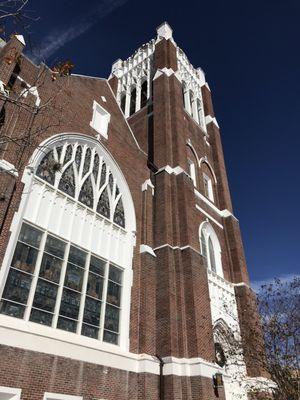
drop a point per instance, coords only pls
(61, 36)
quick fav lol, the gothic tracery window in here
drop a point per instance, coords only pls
(78, 177)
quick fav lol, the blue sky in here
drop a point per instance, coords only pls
(250, 53)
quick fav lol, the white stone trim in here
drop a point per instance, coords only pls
(8, 167)
(18, 333)
(10, 393)
(209, 216)
(165, 71)
(21, 39)
(169, 170)
(176, 247)
(209, 119)
(190, 367)
(144, 248)
(164, 31)
(259, 383)
(222, 213)
(147, 184)
(57, 396)
(205, 160)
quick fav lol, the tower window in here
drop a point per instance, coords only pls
(144, 97)
(123, 102)
(208, 188)
(212, 259)
(132, 101)
(192, 171)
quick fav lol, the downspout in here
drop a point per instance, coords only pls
(161, 378)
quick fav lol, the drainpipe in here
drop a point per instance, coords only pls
(161, 378)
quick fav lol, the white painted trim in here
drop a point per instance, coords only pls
(19, 333)
(165, 71)
(176, 247)
(205, 160)
(144, 248)
(15, 393)
(105, 119)
(209, 119)
(57, 396)
(164, 31)
(147, 184)
(190, 367)
(209, 216)
(207, 85)
(8, 167)
(21, 39)
(169, 170)
(222, 213)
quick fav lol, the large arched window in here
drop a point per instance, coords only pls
(210, 248)
(70, 264)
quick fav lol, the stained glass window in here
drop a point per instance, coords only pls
(67, 181)
(103, 207)
(46, 170)
(86, 195)
(78, 178)
(212, 255)
(119, 216)
(102, 288)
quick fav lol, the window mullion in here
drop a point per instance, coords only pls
(102, 317)
(83, 293)
(35, 277)
(61, 286)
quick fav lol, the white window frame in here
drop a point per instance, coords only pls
(58, 396)
(28, 179)
(210, 192)
(100, 120)
(209, 232)
(15, 393)
(192, 171)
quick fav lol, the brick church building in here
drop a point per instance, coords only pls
(122, 266)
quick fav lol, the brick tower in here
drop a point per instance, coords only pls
(123, 272)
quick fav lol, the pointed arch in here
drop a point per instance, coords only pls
(210, 248)
(205, 160)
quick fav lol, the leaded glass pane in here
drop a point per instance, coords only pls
(103, 175)
(58, 151)
(113, 293)
(30, 235)
(97, 266)
(78, 157)
(92, 311)
(67, 181)
(55, 246)
(115, 274)
(96, 167)
(77, 256)
(68, 154)
(117, 190)
(46, 168)
(111, 182)
(94, 286)
(86, 195)
(45, 295)
(110, 337)
(203, 245)
(51, 268)
(70, 303)
(90, 331)
(112, 318)
(74, 277)
(103, 207)
(24, 257)
(17, 286)
(41, 317)
(119, 216)
(212, 255)
(11, 309)
(87, 161)
(66, 324)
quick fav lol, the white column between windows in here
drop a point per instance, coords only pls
(138, 96)
(187, 102)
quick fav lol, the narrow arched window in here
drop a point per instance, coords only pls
(132, 101)
(123, 102)
(191, 101)
(144, 97)
(212, 259)
(200, 112)
(203, 246)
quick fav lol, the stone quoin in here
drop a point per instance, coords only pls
(122, 259)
